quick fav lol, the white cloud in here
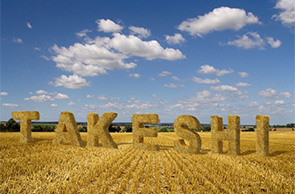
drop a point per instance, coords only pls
(287, 15)
(176, 78)
(242, 84)
(44, 57)
(29, 25)
(206, 81)
(176, 39)
(71, 103)
(17, 40)
(83, 33)
(286, 94)
(9, 105)
(273, 43)
(164, 74)
(133, 46)
(243, 74)
(135, 75)
(37, 48)
(97, 56)
(141, 32)
(108, 26)
(207, 69)
(44, 96)
(53, 105)
(173, 85)
(248, 41)
(60, 96)
(72, 82)
(224, 88)
(40, 98)
(279, 102)
(101, 97)
(41, 92)
(219, 19)
(3, 93)
(268, 93)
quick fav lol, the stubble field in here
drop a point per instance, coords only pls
(42, 167)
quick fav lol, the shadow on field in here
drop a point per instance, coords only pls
(45, 140)
(165, 147)
(123, 143)
(276, 153)
(248, 152)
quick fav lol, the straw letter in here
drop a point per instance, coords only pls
(98, 129)
(139, 132)
(232, 135)
(194, 138)
(262, 131)
(25, 118)
(67, 130)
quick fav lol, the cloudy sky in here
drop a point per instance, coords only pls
(200, 58)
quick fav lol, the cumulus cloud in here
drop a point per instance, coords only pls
(101, 54)
(207, 69)
(40, 98)
(279, 102)
(273, 43)
(248, 41)
(206, 81)
(222, 18)
(175, 39)
(286, 95)
(134, 46)
(108, 26)
(3, 93)
(29, 25)
(173, 85)
(83, 33)
(9, 105)
(268, 93)
(287, 14)
(135, 75)
(242, 84)
(141, 32)
(243, 74)
(176, 78)
(53, 105)
(17, 40)
(72, 82)
(164, 74)
(224, 88)
(44, 96)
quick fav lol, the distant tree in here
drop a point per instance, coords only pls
(11, 125)
(128, 128)
(112, 128)
(118, 128)
(2, 127)
(83, 128)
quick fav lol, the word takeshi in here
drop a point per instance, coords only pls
(97, 130)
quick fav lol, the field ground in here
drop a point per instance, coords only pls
(42, 167)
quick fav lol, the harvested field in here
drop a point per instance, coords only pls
(42, 167)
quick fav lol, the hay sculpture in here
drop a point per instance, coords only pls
(139, 132)
(194, 138)
(67, 130)
(262, 131)
(98, 129)
(232, 135)
(25, 118)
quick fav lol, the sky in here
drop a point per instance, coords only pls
(172, 58)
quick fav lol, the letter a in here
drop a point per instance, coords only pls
(67, 130)
(25, 118)
(98, 129)
(232, 135)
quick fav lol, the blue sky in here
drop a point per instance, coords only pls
(199, 58)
